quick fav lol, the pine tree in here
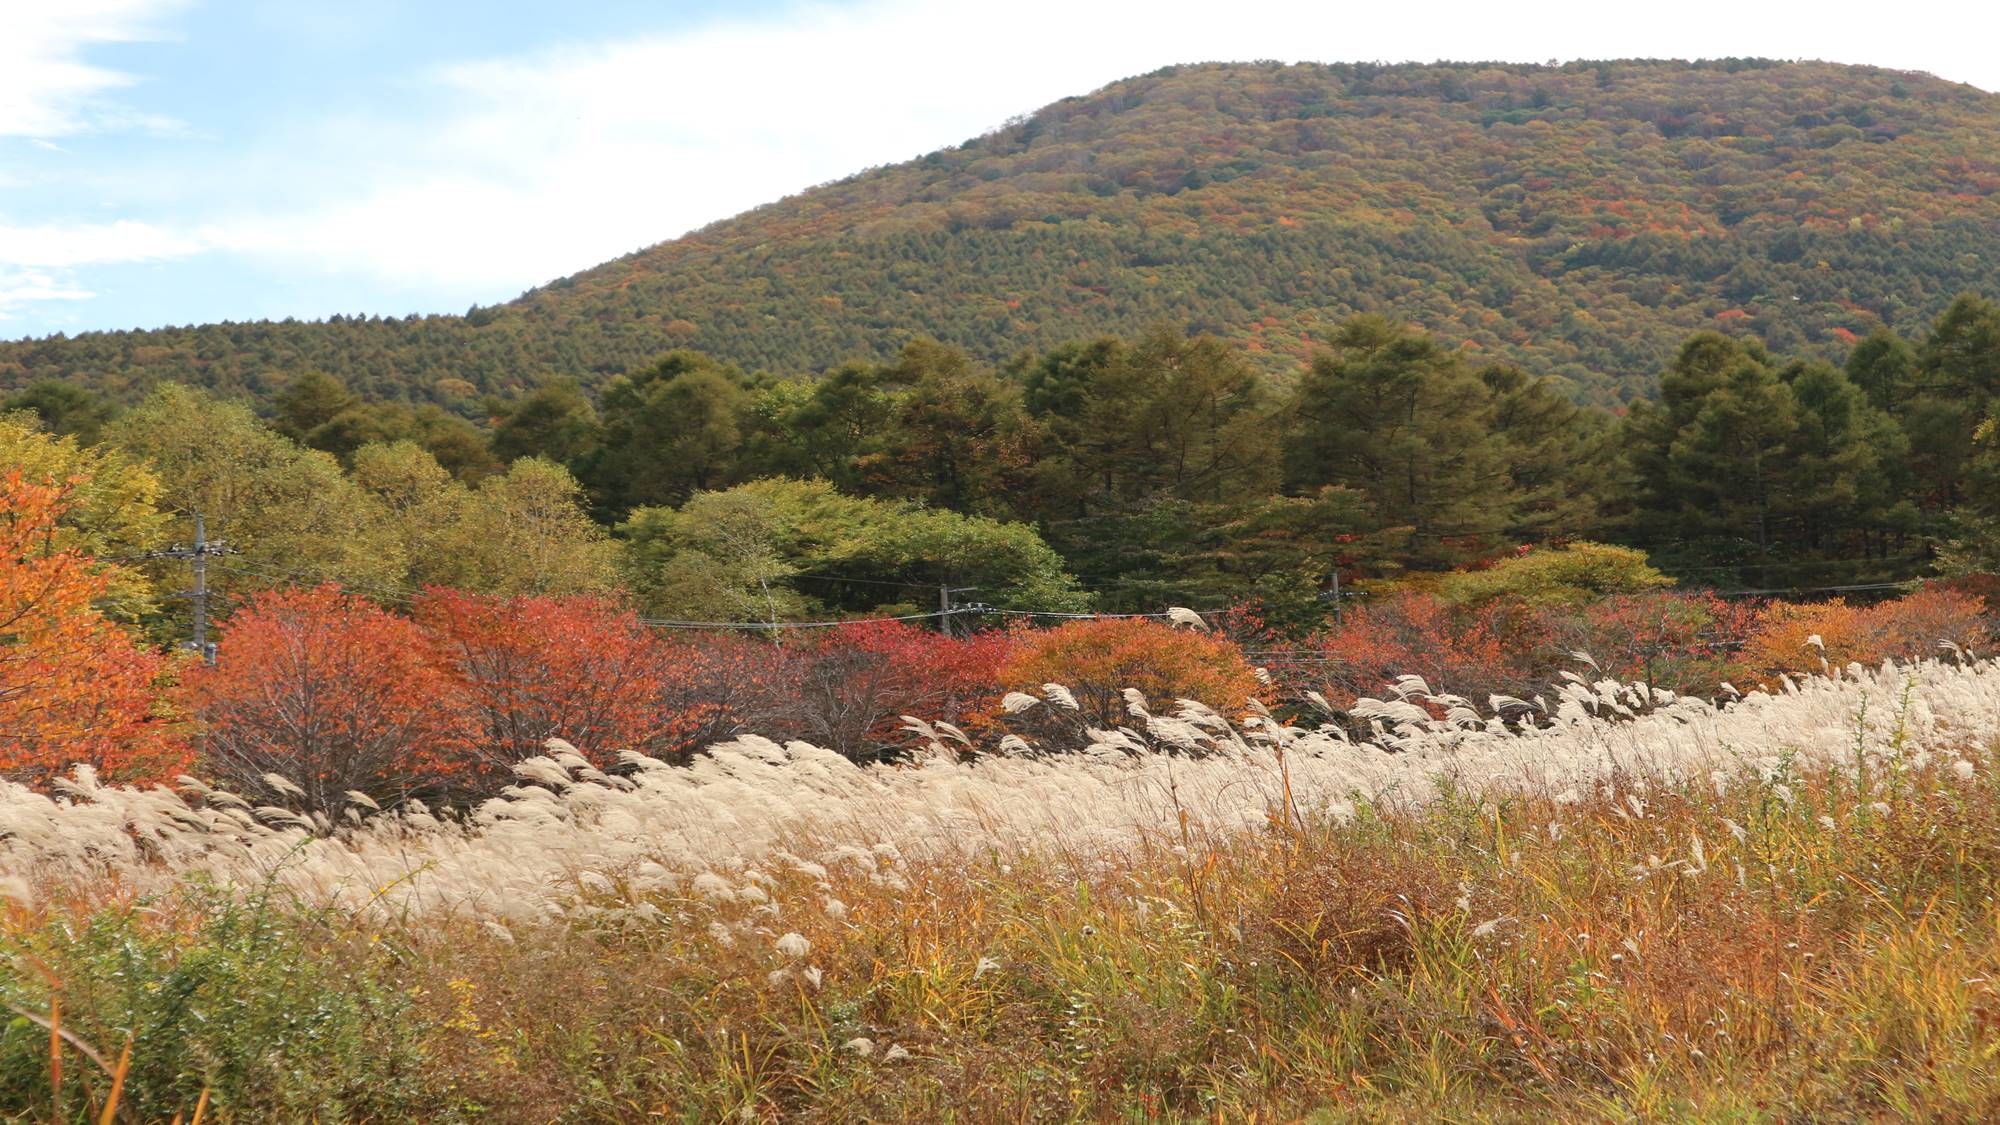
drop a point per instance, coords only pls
(1391, 413)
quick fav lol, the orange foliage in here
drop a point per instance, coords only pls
(1924, 622)
(1097, 660)
(534, 668)
(1906, 628)
(1783, 639)
(74, 687)
(328, 691)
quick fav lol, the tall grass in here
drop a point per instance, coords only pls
(1638, 906)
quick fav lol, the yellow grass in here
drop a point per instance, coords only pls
(1784, 909)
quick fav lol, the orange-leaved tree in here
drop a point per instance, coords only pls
(328, 691)
(534, 668)
(75, 687)
(1097, 660)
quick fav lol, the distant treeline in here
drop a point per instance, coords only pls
(1114, 473)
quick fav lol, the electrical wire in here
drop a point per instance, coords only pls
(668, 624)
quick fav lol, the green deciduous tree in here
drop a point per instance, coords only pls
(555, 420)
(64, 408)
(523, 531)
(671, 429)
(781, 547)
(290, 511)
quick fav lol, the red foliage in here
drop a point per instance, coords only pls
(1683, 642)
(1472, 652)
(530, 669)
(328, 691)
(74, 686)
(711, 688)
(1985, 587)
(851, 685)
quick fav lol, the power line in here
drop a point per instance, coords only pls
(1071, 615)
(1816, 589)
(659, 623)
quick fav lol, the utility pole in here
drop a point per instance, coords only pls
(1332, 597)
(945, 610)
(198, 597)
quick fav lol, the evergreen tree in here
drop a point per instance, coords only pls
(1393, 415)
(1728, 470)
(1958, 378)
(1558, 455)
(1884, 366)
(1845, 470)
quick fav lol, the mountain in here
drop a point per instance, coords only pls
(1577, 219)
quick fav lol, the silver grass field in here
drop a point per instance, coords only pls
(570, 838)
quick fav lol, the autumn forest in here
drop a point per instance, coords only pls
(1254, 554)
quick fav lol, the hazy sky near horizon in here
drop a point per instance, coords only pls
(185, 161)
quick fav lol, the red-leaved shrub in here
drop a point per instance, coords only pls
(331, 693)
(850, 687)
(1683, 642)
(1472, 651)
(529, 669)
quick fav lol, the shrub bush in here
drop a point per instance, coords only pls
(849, 688)
(529, 669)
(1472, 651)
(712, 687)
(1684, 642)
(1904, 629)
(1097, 660)
(1567, 575)
(1918, 625)
(328, 691)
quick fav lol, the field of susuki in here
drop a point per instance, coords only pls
(1603, 902)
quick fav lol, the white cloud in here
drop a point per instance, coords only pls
(22, 287)
(46, 89)
(39, 264)
(88, 244)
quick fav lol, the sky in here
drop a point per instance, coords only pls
(187, 161)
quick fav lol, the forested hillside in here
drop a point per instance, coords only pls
(1578, 220)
